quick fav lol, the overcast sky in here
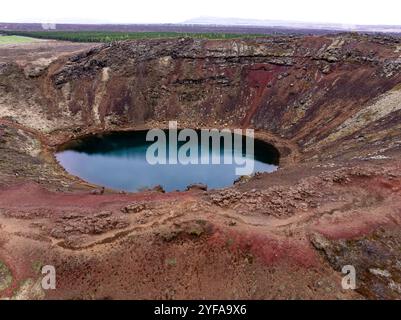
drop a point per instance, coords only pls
(173, 11)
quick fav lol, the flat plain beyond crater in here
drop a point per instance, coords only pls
(331, 105)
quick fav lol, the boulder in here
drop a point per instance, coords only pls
(197, 186)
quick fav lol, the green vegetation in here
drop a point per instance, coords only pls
(15, 39)
(172, 262)
(101, 36)
(37, 266)
(5, 277)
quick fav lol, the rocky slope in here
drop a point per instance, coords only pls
(330, 104)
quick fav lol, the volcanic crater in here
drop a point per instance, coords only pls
(331, 105)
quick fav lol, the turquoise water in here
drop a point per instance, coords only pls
(118, 161)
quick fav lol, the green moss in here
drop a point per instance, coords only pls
(6, 277)
(229, 242)
(202, 223)
(196, 232)
(37, 266)
(171, 262)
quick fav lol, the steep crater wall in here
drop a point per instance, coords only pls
(337, 93)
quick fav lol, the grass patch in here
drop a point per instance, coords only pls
(15, 39)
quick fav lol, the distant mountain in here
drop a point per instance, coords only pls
(291, 24)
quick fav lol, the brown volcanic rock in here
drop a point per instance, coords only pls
(331, 105)
(242, 79)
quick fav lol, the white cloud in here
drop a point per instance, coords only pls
(164, 11)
